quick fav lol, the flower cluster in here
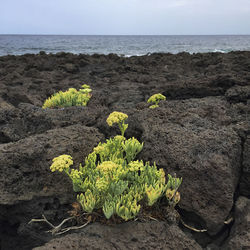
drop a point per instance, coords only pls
(116, 117)
(61, 163)
(136, 166)
(119, 138)
(98, 149)
(156, 98)
(107, 166)
(71, 97)
(119, 118)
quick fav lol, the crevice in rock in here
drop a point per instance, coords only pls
(8, 235)
(4, 138)
(193, 220)
(204, 239)
(16, 233)
(237, 190)
(16, 99)
(188, 94)
(235, 198)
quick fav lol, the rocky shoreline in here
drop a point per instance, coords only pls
(201, 133)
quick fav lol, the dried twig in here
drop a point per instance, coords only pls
(228, 221)
(42, 220)
(57, 230)
(72, 228)
(152, 218)
(192, 228)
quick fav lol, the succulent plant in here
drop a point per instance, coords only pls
(155, 99)
(112, 180)
(71, 97)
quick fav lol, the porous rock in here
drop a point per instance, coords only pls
(240, 234)
(191, 138)
(24, 167)
(132, 235)
(245, 177)
(201, 133)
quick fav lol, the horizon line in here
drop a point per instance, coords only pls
(17, 34)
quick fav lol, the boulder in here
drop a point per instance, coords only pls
(24, 167)
(190, 138)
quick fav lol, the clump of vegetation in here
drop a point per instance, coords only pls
(69, 98)
(114, 181)
(155, 99)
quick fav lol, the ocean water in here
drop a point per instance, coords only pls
(121, 45)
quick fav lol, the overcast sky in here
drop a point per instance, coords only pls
(125, 17)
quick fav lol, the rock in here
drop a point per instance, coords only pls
(27, 120)
(239, 237)
(201, 133)
(245, 177)
(190, 138)
(70, 68)
(132, 235)
(24, 166)
(238, 93)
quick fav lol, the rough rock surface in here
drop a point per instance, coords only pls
(132, 235)
(201, 133)
(24, 167)
(240, 234)
(245, 177)
(192, 139)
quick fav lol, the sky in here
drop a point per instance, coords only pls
(125, 17)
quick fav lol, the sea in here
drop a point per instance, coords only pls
(122, 45)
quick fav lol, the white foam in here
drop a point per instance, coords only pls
(219, 50)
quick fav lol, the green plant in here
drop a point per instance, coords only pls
(155, 99)
(112, 180)
(71, 97)
(119, 118)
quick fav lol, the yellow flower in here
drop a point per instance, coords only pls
(119, 138)
(85, 86)
(70, 91)
(61, 163)
(75, 174)
(135, 165)
(116, 117)
(107, 166)
(154, 106)
(98, 149)
(71, 97)
(156, 98)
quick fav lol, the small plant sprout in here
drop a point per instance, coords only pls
(155, 99)
(172, 186)
(71, 97)
(119, 118)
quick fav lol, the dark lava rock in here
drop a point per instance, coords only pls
(201, 133)
(131, 235)
(190, 138)
(245, 177)
(70, 68)
(240, 234)
(238, 94)
(27, 120)
(24, 167)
